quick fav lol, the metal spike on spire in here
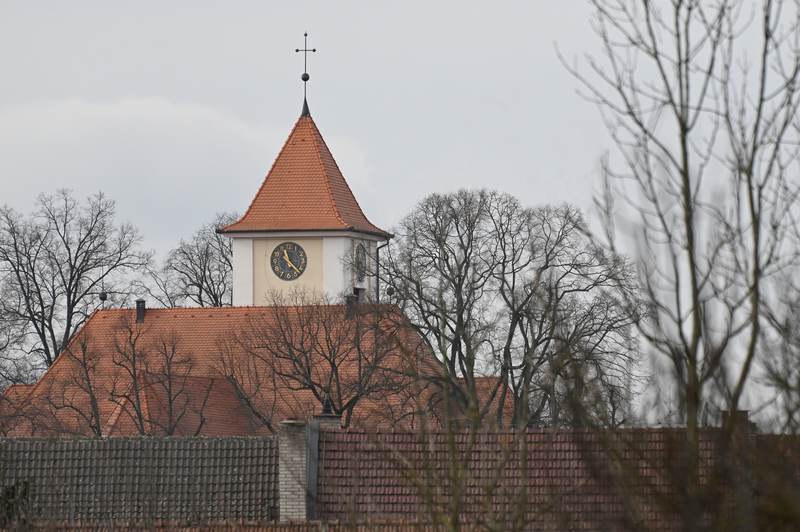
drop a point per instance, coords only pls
(305, 75)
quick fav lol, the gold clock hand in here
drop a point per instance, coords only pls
(289, 262)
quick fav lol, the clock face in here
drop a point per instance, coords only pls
(361, 262)
(288, 261)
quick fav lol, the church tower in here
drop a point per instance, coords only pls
(304, 228)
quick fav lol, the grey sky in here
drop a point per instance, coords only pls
(177, 109)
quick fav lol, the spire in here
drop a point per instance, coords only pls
(304, 191)
(305, 75)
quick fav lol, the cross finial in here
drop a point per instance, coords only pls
(305, 51)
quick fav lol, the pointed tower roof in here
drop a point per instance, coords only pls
(304, 191)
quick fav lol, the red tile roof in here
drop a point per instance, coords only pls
(304, 191)
(570, 479)
(210, 346)
(16, 392)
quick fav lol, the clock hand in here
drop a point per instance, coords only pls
(286, 258)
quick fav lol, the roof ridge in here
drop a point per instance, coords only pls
(111, 421)
(253, 308)
(315, 133)
(143, 398)
(346, 184)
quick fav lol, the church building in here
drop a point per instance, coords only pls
(241, 370)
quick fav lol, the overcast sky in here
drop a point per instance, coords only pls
(177, 109)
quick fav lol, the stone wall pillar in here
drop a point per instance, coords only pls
(738, 461)
(297, 451)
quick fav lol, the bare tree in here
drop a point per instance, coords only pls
(304, 343)
(169, 371)
(501, 290)
(55, 263)
(130, 382)
(77, 396)
(255, 384)
(704, 190)
(782, 366)
(199, 271)
(15, 367)
(152, 383)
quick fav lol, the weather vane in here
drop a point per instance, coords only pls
(305, 51)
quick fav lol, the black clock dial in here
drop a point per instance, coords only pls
(288, 261)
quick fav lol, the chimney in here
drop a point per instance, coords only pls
(140, 309)
(327, 419)
(352, 302)
(743, 429)
(297, 471)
